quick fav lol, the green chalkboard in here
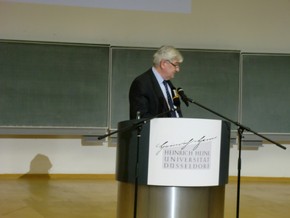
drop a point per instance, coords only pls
(210, 77)
(67, 85)
(127, 63)
(53, 84)
(265, 91)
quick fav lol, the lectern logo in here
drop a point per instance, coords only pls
(189, 155)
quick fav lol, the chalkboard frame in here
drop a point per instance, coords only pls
(109, 100)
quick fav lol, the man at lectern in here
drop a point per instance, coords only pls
(152, 92)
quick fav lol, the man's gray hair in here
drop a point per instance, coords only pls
(167, 52)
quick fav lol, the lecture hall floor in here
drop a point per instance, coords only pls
(88, 198)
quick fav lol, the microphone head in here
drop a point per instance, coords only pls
(183, 96)
(180, 90)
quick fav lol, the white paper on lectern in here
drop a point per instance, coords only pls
(184, 152)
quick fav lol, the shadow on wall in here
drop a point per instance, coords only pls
(39, 166)
(38, 185)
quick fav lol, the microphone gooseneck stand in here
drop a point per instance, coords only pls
(138, 126)
(241, 129)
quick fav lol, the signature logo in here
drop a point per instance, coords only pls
(191, 144)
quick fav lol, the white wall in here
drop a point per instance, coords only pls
(249, 25)
(56, 156)
(267, 161)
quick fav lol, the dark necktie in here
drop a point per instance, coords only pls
(169, 99)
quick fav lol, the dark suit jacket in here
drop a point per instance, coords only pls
(146, 97)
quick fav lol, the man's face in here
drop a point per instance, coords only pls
(170, 68)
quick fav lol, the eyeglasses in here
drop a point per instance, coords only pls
(174, 65)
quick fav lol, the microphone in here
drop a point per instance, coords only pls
(184, 98)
